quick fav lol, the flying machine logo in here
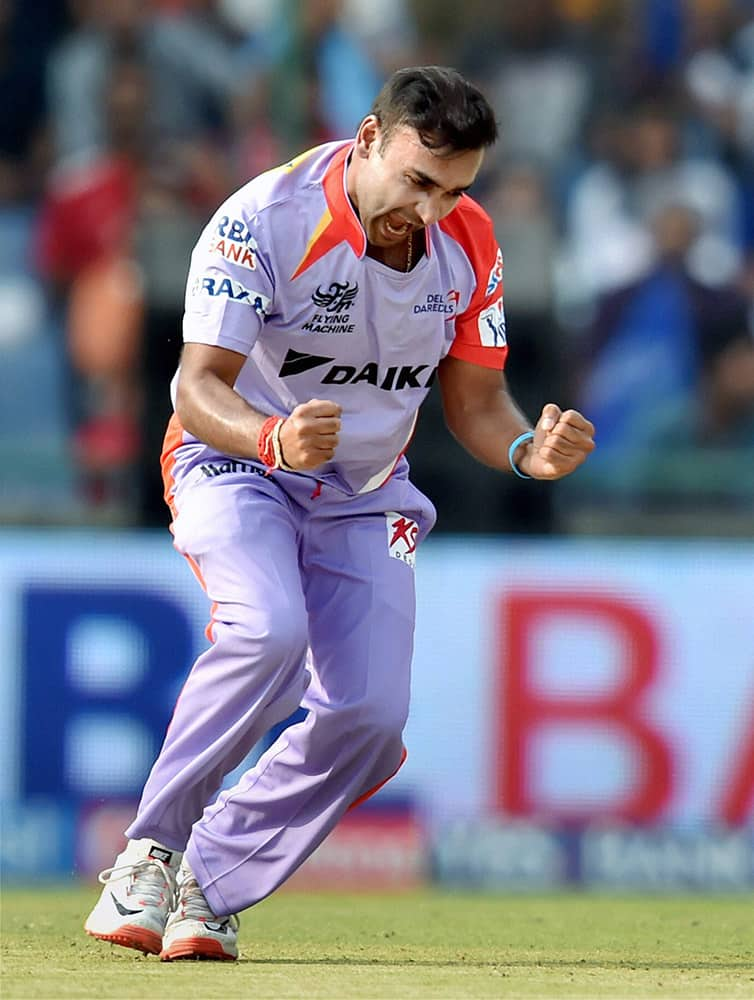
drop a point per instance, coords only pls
(333, 301)
(339, 296)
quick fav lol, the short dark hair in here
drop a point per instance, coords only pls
(443, 107)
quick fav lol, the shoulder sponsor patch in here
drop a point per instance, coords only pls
(234, 230)
(217, 286)
(491, 324)
(234, 252)
(232, 240)
(402, 535)
(496, 274)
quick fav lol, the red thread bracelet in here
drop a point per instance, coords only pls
(265, 442)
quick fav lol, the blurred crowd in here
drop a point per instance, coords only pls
(622, 190)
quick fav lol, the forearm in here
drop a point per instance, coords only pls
(214, 412)
(484, 418)
(488, 433)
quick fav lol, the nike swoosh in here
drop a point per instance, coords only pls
(296, 363)
(220, 928)
(124, 911)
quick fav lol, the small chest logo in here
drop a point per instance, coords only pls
(339, 296)
(438, 303)
(402, 535)
(334, 303)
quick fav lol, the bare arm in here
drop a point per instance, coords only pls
(484, 418)
(209, 408)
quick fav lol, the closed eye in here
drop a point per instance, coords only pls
(425, 183)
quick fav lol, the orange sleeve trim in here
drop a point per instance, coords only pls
(487, 357)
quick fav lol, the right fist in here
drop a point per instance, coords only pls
(309, 436)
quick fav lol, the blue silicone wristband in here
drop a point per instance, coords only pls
(526, 436)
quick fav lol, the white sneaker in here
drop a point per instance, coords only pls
(193, 930)
(139, 894)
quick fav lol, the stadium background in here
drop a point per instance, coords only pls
(583, 708)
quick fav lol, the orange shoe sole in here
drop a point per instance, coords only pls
(133, 937)
(196, 947)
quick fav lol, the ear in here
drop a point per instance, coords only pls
(367, 135)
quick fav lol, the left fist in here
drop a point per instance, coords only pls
(562, 441)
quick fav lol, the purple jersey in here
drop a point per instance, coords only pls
(281, 276)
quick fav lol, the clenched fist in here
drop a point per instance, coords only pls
(562, 441)
(309, 436)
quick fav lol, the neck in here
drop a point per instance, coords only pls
(410, 252)
(401, 257)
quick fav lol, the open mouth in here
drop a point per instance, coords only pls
(402, 230)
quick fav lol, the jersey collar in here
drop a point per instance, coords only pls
(339, 222)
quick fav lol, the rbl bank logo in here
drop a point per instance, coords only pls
(529, 711)
(402, 535)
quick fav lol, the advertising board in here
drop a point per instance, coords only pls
(586, 698)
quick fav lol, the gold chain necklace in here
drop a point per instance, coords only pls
(410, 252)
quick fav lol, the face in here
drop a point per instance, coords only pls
(400, 186)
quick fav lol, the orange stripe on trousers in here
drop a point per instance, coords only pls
(173, 440)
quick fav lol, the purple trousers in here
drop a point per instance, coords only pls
(313, 605)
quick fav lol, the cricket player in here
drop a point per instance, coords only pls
(323, 299)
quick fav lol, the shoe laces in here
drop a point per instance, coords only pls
(151, 880)
(194, 905)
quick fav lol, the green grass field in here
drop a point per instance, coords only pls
(426, 944)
